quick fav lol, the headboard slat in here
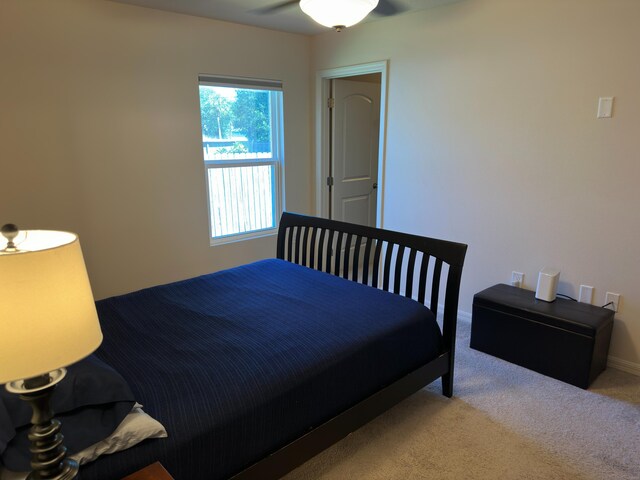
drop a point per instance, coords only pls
(435, 286)
(290, 249)
(338, 254)
(376, 263)
(312, 248)
(397, 277)
(410, 267)
(321, 249)
(365, 262)
(347, 256)
(305, 239)
(387, 266)
(422, 285)
(356, 258)
(329, 252)
(296, 243)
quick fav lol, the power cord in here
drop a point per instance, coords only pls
(573, 299)
(566, 296)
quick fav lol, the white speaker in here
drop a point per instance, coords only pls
(547, 284)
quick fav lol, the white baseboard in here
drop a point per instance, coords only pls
(624, 365)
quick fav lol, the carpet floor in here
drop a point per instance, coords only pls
(504, 422)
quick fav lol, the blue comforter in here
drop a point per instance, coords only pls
(238, 363)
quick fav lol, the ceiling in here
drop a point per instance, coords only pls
(244, 11)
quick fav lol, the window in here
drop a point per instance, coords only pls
(242, 144)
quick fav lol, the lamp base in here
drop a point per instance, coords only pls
(48, 454)
(69, 471)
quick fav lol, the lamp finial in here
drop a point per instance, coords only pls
(9, 231)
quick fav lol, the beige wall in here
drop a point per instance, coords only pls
(100, 131)
(493, 140)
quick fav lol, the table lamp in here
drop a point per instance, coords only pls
(48, 321)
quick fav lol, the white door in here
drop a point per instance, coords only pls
(354, 168)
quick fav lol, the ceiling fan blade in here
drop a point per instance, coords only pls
(387, 8)
(275, 7)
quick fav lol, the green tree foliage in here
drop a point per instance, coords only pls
(215, 111)
(251, 116)
(237, 147)
(248, 115)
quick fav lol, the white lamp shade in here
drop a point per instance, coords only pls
(335, 13)
(48, 318)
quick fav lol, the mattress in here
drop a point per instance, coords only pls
(238, 363)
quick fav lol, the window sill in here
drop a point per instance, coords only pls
(214, 242)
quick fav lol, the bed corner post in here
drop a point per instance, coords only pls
(450, 322)
(282, 231)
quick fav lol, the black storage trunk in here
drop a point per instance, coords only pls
(563, 339)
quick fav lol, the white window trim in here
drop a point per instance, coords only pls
(276, 160)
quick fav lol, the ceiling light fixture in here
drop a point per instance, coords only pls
(338, 14)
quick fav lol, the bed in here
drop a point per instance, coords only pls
(255, 369)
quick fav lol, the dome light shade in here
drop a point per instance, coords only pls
(338, 13)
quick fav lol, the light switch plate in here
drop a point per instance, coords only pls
(613, 299)
(605, 107)
(517, 279)
(586, 294)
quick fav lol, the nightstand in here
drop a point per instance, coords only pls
(155, 471)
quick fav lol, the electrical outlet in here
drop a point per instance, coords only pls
(517, 279)
(612, 301)
(586, 294)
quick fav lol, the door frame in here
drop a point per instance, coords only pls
(322, 125)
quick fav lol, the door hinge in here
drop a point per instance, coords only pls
(331, 102)
(330, 181)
